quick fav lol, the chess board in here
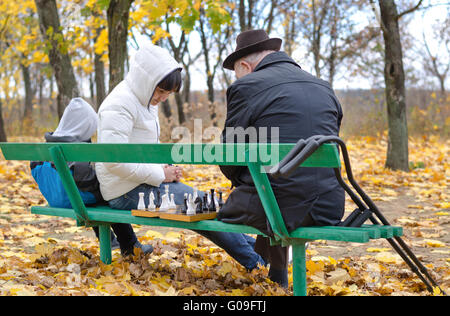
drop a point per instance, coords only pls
(178, 216)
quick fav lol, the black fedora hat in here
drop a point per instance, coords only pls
(250, 42)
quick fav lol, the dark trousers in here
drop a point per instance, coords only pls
(277, 256)
(124, 233)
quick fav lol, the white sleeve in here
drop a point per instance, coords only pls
(115, 126)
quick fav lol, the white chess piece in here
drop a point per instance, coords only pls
(191, 206)
(151, 202)
(172, 204)
(165, 203)
(167, 189)
(141, 203)
(165, 200)
(194, 197)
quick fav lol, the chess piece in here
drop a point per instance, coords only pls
(165, 203)
(220, 202)
(199, 205)
(151, 202)
(212, 203)
(184, 206)
(172, 204)
(195, 194)
(158, 199)
(166, 187)
(205, 204)
(141, 203)
(190, 206)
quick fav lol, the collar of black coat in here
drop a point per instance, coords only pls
(276, 57)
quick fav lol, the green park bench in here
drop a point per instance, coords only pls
(254, 156)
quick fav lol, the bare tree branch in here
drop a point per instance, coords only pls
(417, 6)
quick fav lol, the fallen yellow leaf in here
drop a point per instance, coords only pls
(387, 257)
(153, 234)
(377, 249)
(434, 243)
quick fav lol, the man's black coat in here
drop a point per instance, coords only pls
(279, 94)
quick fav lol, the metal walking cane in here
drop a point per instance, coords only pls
(303, 149)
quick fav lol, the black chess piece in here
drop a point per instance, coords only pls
(199, 203)
(220, 200)
(184, 207)
(212, 204)
(158, 200)
(205, 204)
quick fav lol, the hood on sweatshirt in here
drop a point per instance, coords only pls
(150, 65)
(78, 123)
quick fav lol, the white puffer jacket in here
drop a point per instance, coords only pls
(126, 116)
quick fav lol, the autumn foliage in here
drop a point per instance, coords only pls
(50, 256)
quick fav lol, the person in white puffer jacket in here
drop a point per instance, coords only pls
(129, 114)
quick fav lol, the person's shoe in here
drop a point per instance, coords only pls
(146, 249)
(279, 276)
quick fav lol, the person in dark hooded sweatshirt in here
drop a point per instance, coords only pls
(78, 124)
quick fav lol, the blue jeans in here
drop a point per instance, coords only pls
(239, 246)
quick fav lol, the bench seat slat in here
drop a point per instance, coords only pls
(336, 233)
(102, 214)
(331, 233)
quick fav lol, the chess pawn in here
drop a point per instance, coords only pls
(141, 203)
(172, 204)
(190, 206)
(151, 202)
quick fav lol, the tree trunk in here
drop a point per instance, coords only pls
(178, 52)
(397, 153)
(57, 52)
(3, 137)
(318, 17)
(28, 111)
(242, 20)
(99, 80)
(180, 110)
(166, 108)
(118, 15)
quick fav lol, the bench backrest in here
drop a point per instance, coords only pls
(252, 155)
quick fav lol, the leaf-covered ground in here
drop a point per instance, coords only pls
(42, 255)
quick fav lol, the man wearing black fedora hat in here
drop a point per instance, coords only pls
(273, 94)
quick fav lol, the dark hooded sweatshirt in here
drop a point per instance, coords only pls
(78, 124)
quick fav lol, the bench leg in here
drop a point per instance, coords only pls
(299, 268)
(105, 243)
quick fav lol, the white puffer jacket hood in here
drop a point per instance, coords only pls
(126, 116)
